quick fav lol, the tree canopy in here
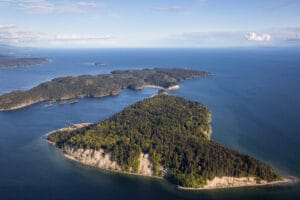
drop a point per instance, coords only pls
(176, 134)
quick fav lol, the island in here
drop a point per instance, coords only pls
(165, 137)
(100, 64)
(8, 62)
(96, 86)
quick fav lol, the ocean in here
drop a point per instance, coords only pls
(254, 97)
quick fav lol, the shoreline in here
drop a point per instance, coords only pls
(69, 157)
(285, 181)
(174, 87)
(24, 105)
(73, 126)
(46, 61)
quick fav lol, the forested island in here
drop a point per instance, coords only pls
(84, 86)
(163, 136)
(7, 62)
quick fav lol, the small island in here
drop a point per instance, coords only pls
(100, 64)
(88, 86)
(166, 137)
(8, 62)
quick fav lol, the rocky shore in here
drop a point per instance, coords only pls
(88, 86)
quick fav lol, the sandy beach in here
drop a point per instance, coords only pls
(232, 182)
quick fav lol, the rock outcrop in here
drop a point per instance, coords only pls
(103, 160)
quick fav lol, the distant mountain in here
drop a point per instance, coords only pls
(7, 62)
(7, 50)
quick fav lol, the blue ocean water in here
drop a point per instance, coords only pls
(254, 97)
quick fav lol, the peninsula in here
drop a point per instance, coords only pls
(8, 62)
(84, 86)
(163, 136)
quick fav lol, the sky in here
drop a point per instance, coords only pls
(149, 23)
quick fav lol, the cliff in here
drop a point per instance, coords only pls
(172, 136)
(103, 160)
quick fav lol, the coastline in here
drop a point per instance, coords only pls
(102, 161)
(109, 170)
(72, 126)
(73, 158)
(285, 181)
(75, 87)
(24, 105)
(174, 87)
(45, 61)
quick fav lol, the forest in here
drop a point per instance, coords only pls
(176, 134)
(96, 86)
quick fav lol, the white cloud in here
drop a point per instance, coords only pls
(264, 37)
(169, 9)
(90, 4)
(75, 37)
(11, 35)
(46, 6)
(204, 39)
(287, 34)
(296, 38)
(5, 27)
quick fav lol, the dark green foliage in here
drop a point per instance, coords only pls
(156, 161)
(175, 132)
(95, 86)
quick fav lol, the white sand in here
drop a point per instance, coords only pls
(233, 182)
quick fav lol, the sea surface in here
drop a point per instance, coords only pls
(254, 96)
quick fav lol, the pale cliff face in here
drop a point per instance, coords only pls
(91, 157)
(100, 159)
(146, 167)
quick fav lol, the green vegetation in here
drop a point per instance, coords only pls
(21, 62)
(176, 134)
(95, 86)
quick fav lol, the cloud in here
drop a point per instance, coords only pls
(46, 6)
(12, 35)
(6, 27)
(287, 34)
(90, 4)
(169, 9)
(204, 39)
(75, 37)
(293, 39)
(264, 37)
(5, 2)
(9, 34)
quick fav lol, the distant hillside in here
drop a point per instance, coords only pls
(172, 132)
(6, 62)
(96, 86)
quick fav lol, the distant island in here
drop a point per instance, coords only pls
(100, 64)
(65, 88)
(166, 137)
(8, 62)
